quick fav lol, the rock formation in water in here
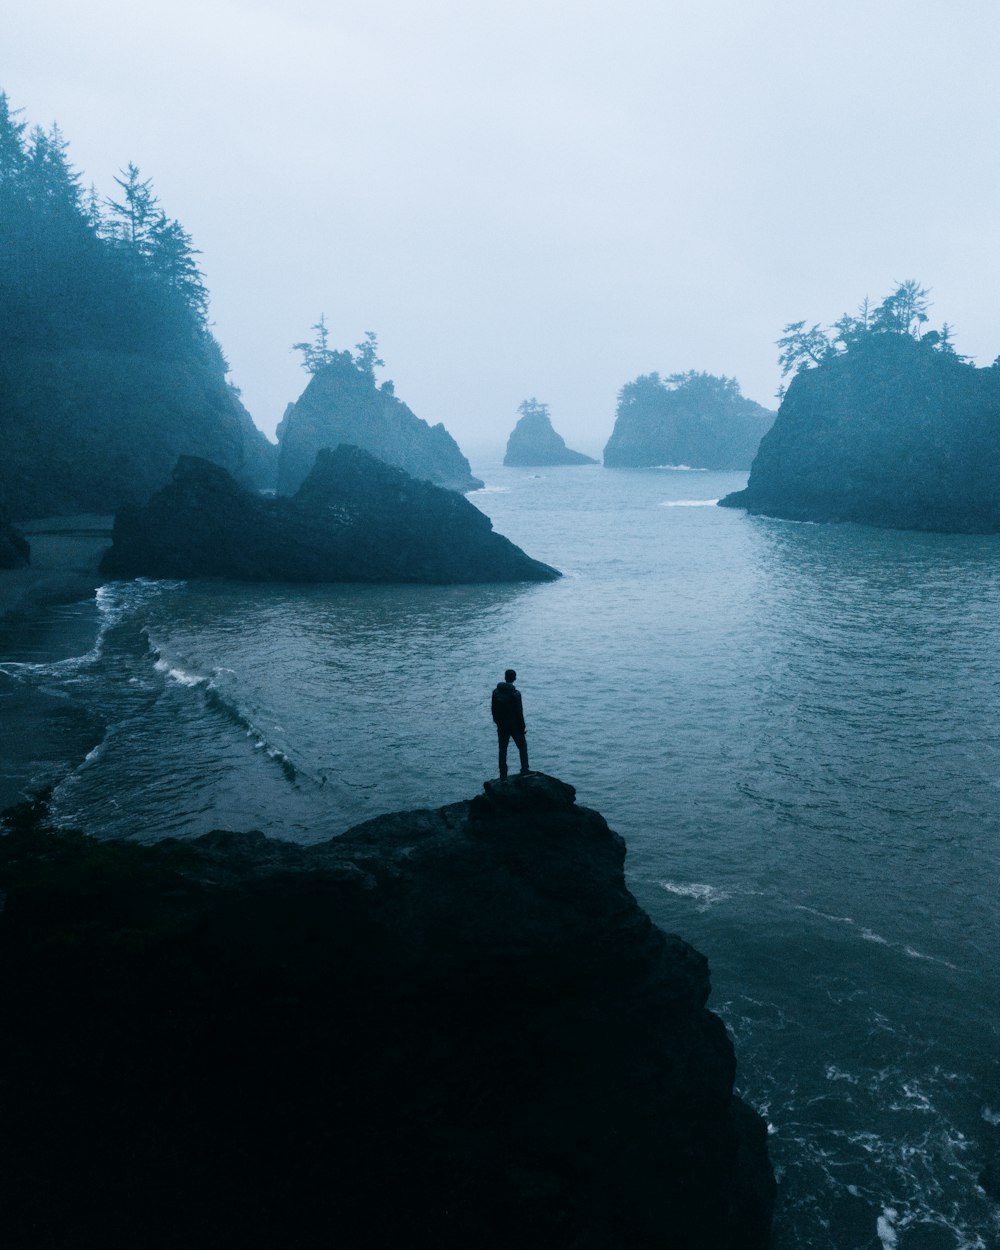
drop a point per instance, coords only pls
(893, 432)
(534, 443)
(447, 1028)
(691, 419)
(343, 404)
(108, 369)
(354, 519)
(15, 550)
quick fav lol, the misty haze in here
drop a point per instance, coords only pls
(499, 606)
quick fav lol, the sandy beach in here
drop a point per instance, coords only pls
(65, 554)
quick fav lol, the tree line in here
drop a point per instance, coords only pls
(79, 271)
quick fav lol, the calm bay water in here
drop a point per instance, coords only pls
(795, 727)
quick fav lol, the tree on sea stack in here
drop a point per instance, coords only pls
(883, 423)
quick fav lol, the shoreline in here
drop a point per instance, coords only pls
(66, 554)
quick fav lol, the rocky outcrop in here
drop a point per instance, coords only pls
(445, 1028)
(533, 442)
(15, 550)
(892, 432)
(693, 420)
(342, 404)
(354, 519)
(91, 431)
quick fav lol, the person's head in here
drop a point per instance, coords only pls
(510, 675)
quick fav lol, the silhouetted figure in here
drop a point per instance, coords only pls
(508, 714)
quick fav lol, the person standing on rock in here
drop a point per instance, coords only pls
(508, 716)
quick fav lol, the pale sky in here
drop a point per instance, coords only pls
(540, 199)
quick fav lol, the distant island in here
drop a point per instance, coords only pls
(354, 519)
(692, 419)
(108, 368)
(343, 403)
(534, 443)
(448, 1028)
(883, 423)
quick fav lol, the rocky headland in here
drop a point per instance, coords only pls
(343, 404)
(354, 519)
(444, 1028)
(108, 367)
(692, 419)
(892, 432)
(534, 443)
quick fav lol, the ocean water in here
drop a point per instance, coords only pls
(795, 727)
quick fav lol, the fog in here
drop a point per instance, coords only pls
(540, 199)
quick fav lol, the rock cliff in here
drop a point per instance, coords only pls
(891, 432)
(533, 442)
(353, 519)
(342, 404)
(445, 1028)
(692, 419)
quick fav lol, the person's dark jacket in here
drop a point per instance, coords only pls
(508, 712)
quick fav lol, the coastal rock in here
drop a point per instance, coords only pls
(445, 1028)
(343, 404)
(353, 519)
(690, 419)
(15, 550)
(891, 433)
(90, 431)
(533, 442)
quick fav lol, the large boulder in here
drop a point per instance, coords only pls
(343, 404)
(353, 519)
(445, 1028)
(691, 419)
(533, 442)
(892, 432)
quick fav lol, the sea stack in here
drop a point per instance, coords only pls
(893, 431)
(691, 420)
(535, 444)
(343, 404)
(445, 1028)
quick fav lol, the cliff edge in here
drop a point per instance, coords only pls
(445, 1028)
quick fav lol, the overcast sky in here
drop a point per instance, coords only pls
(540, 199)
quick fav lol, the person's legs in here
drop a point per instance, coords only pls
(522, 748)
(503, 737)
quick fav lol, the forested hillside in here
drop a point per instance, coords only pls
(108, 368)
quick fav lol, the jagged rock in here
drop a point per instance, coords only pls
(342, 404)
(15, 550)
(353, 519)
(891, 433)
(533, 442)
(445, 1028)
(690, 419)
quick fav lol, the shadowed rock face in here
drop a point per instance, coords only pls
(446, 1028)
(15, 550)
(890, 433)
(533, 442)
(342, 404)
(89, 431)
(353, 519)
